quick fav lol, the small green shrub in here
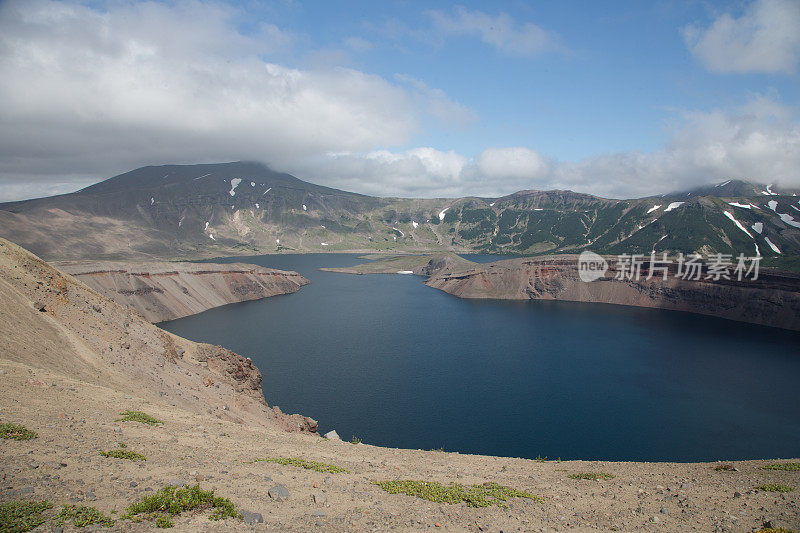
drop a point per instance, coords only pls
(138, 416)
(173, 501)
(16, 432)
(775, 487)
(355, 440)
(83, 516)
(164, 522)
(788, 467)
(774, 530)
(591, 475)
(308, 465)
(473, 495)
(21, 516)
(124, 454)
(724, 467)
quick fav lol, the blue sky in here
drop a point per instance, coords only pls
(404, 98)
(613, 81)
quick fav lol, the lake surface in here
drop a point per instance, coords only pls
(396, 363)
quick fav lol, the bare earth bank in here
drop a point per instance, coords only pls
(165, 291)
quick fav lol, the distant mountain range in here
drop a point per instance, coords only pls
(180, 211)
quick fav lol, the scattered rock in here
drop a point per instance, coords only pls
(319, 514)
(664, 510)
(332, 435)
(320, 499)
(655, 519)
(177, 482)
(737, 494)
(252, 518)
(278, 493)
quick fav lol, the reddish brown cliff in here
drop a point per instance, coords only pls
(165, 291)
(773, 299)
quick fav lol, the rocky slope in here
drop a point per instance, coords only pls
(72, 360)
(182, 211)
(52, 321)
(165, 291)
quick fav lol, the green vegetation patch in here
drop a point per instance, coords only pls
(308, 465)
(724, 467)
(138, 416)
(355, 440)
(124, 454)
(775, 487)
(774, 530)
(474, 495)
(16, 432)
(164, 522)
(591, 475)
(788, 467)
(20, 516)
(172, 501)
(83, 516)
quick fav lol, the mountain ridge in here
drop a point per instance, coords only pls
(239, 208)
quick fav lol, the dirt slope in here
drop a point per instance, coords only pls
(164, 291)
(58, 323)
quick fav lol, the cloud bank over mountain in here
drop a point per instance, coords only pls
(88, 92)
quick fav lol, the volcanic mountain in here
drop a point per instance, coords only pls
(189, 211)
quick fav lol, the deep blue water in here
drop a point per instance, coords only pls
(396, 363)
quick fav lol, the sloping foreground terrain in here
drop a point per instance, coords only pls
(56, 322)
(213, 210)
(166, 291)
(67, 374)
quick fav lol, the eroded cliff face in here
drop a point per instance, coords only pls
(53, 321)
(165, 291)
(772, 300)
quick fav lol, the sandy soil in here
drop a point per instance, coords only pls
(76, 420)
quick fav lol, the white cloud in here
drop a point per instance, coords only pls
(86, 94)
(420, 171)
(517, 162)
(759, 141)
(357, 44)
(765, 38)
(26, 188)
(438, 104)
(500, 31)
(96, 91)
